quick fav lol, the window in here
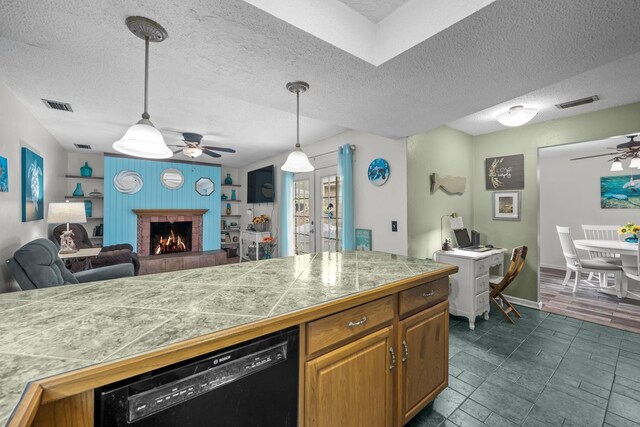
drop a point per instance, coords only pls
(303, 221)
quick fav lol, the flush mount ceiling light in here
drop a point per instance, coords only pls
(297, 160)
(516, 116)
(192, 152)
(143, 139)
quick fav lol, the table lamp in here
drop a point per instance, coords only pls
(456, 224)
(60, 213)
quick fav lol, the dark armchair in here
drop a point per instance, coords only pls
(109, 255)
(37, 265)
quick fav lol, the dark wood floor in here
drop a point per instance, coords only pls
(587, 303)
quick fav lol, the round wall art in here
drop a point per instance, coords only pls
(378, 172)
(127, 182)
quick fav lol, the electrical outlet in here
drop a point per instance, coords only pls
(394, 225)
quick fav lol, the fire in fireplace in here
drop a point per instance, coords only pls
(170, 237)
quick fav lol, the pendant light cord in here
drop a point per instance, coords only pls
(145, 115)
(297, 119)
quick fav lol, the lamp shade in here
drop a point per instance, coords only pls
(192, 152)
(456, 223)
(635, 163)
(143, 140)
(64, 213)
(516, 116)
(297, 162)
(616, 166)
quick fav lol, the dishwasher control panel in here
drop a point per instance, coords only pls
(220, 370)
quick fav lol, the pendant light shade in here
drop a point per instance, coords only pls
(143, 139)
(297, 161)
(616, 166)
(192, 152)
(516, 116)
(635, 162)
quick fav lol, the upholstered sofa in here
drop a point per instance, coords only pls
(37, 265)
(109, 255)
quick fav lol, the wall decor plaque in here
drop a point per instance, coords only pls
(504, 172)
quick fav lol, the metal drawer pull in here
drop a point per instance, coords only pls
(406, 351)
(428, 294)
(393, 358)
(360, 322)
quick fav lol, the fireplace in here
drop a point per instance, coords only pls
(174, 230)
(170, 237)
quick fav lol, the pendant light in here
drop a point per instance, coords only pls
(143, 139)
(297, 160)
(517, 116)
(616, 166)
(635, 161)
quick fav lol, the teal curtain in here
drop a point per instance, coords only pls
(287, 244)
(345, 171)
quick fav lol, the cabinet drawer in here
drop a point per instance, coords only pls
(481, 267)
(482, 284)
(348, 324)
(424, 295)
(496, 259)
(482, 302)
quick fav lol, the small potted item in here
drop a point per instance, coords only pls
(86, 170)
(228, 180)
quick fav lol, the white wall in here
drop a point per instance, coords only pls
(570, 196)
(375, 207)
(18, 128)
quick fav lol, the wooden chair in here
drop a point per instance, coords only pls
(499, 284)
(579, 266)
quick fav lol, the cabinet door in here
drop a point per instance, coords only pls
(424, 352)
(352, 385)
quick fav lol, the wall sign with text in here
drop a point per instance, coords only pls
(505, 172)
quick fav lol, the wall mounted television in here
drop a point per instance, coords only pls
(260, 185)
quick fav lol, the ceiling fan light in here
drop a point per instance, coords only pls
(516, 116)
(297, 162)
(192, 152)
(635, 163)
(616, 166)
(143, 140)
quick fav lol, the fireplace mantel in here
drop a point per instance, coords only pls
(169, 212)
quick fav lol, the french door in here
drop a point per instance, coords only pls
(317, 211)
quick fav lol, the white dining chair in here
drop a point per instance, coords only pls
(602, 232)
(579, 266)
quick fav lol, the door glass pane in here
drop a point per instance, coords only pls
(331, 213)
(302, 216)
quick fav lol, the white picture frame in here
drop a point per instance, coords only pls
(506, 205)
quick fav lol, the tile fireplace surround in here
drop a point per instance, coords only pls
(148, 216)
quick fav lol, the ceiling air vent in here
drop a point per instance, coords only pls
(83, 146)
(577, 102)
(57, 105)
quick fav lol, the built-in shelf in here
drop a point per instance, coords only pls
(84, 197)
(95, 217)
(229, 244)
(231, 185)
(230, 216)
(229, 200)
(84, 177)
(230, 229)
(96, 237)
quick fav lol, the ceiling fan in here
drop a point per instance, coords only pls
(626, 150)
(193, 148)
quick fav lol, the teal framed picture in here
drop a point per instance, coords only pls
(363, 239)
(32, 186)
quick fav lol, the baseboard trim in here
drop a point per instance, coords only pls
(525, 302)
(554, 267)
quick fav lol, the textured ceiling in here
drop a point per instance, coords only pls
(374, 11)
(224, 66)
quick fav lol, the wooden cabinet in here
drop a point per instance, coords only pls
(423, 367)
(353, 385)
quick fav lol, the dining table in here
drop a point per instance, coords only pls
(628, 252)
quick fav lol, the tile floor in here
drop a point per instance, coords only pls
(547, 370)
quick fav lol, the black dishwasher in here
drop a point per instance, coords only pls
(248, 385)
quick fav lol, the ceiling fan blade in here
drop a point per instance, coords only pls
(177, 151)
(211, 153)
(221, 149)
(170, 145)
(596, 155)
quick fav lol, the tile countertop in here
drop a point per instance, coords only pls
(45, 332)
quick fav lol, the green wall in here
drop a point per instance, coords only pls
(444, 151)
(447, 151)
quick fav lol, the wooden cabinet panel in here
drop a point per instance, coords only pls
(352, 385)
(424, 296)
(423, 351)
(349, 324)
(74, 411)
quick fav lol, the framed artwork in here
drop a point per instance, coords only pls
(505, 172)
(4, 175)
(620, 192)
(378, 172)
(363, 239)
(32, 186)
(506, 205)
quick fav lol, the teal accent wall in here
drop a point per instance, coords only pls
(120, 223)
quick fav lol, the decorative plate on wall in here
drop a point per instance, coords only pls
(128, 182)
(378, 172)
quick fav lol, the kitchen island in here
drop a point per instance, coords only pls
(58, 344)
